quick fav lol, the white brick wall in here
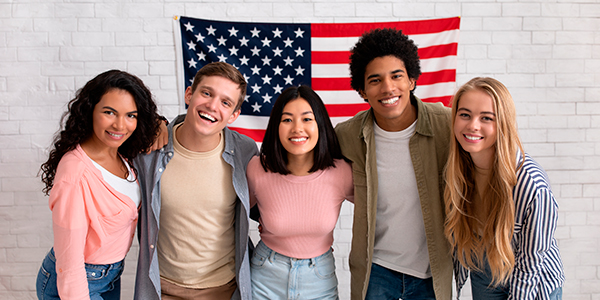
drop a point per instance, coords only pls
(547, 52)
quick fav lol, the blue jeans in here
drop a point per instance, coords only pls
(104, 281)
(276, 276)
(481, 289)
(386, 284)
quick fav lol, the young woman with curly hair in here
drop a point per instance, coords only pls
(500, 211)
(93, 189)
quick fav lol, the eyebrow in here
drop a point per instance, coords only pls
(483, 112)
(304, 113)
(110, 108)
(393, 72)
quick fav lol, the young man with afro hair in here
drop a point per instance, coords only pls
(398, 150)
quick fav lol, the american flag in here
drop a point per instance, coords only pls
(274, 56)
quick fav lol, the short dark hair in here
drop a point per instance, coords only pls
(224, 70)
(273, 156)
(379, 43)
(79, 125)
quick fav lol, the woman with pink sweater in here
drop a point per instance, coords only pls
(94, 194)
(299, 182)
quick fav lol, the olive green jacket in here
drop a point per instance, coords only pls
(429, 152)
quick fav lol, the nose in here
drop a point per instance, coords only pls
(387, 85)
(474, 124)
(297, 127)
(212, 104)
(119, 123)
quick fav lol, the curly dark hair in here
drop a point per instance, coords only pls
(273, 156)
(79, 122)
(378, 43)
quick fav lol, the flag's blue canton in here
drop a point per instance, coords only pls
(271, 56)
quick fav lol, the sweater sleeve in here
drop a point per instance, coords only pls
(70, 225)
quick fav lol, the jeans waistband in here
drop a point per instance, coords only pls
(116, 265)
(273, 255)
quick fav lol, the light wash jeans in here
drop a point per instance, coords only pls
(276, 276)
(104, 281)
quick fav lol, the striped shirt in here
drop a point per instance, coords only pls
(538, 268)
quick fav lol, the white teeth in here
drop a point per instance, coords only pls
(298, 139)
(390, 101)
(115, 135)
(473, 138)
(207, 116)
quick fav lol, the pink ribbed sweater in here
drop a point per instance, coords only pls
(299, 213)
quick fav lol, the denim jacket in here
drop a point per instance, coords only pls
(429, 153)
(238, 151)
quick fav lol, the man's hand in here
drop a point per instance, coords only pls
(162, 137)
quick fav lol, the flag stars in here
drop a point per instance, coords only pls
(299, 52)
(256, 107)
(192, 63)
(278, 89)
(247, 96)
(244, 60)
(189, 27)
(201, 56)
(191, 46)
(266, 61)
(212, 48)
(299, 33)
(288, 61)
(211, 30)
(222, 58)
(277, 52)
(255, 88)
(199, 38)
(289, 80)
(255, 51)
(255, 70)
(255, 32)
(299, 71)
(277, 70)
(244, 41)
(266, 79)
(267, 98)
(246, 78)
(266, 42)
(288, 42)
(277, 33)
(233, 31)
(222, 41)
(233, 51)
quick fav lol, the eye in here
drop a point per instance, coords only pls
(307, 119)
(286, 120)
(463, 115)
(489, 119)
(227, 103)
(132, 116)
(374, 80)
(109, 112)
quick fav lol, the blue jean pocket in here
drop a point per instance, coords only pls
(258, 259)
(325, 268)
(46, 280)
(95, 272)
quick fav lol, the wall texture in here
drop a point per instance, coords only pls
(546, 51)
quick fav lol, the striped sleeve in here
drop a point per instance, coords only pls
(538, 268)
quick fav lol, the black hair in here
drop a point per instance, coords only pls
(79, 120)
(273, 156)
(379, 43)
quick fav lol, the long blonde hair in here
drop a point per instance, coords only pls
(461, 228)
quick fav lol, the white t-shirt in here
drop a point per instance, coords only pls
(400, 242)
(128, 187)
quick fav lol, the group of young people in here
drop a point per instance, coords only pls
(437, 192)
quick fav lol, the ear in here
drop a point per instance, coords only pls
(188, 95)
(234, 116)
(362, 94)
(413, 83)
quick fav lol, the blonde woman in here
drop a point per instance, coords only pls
(500, 212)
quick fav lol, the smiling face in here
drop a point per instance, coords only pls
(114, 119)
(298, 129)
(475, 126)
(387, 89)
(211, 106)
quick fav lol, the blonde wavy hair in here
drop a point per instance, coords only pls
(461, 228)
